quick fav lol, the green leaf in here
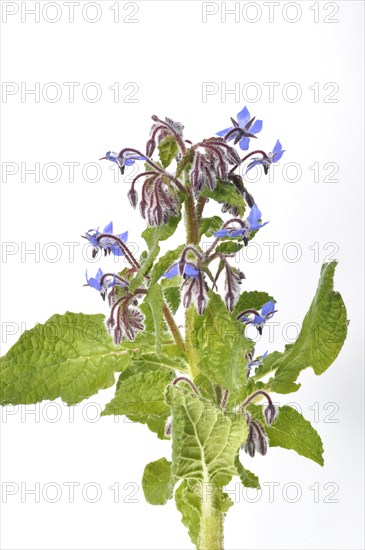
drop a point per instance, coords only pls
(168, 149)
(251, 300)
(292, 431)
(164, 263)
(154, 361)
(320, 340)
(153, 235)
(209, 226)
(222, 345)
(248, 479)
(172, 296)
(154, 300)
(188, 498)
(71, 356)
(226, 192)
(156, 482)
(205, 441)
(229, 247)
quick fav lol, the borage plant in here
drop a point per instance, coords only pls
(202, 387)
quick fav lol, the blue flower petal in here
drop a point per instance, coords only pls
(221, 233)
(258, 320)
(278, 155)
(278, 147)
(237, 232)
(172, 272)
(190, 270)
(243, 117)
(224, 132)
(254, 163)
(268, 308)
(256, 127)
(244, 143)
(254, 215)
(108, 228)
(124, 236)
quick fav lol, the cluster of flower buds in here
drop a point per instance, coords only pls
(160, 130)
(159, 200)
(257, 438)
(125, 319)
(212, 158)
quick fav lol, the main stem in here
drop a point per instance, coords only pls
(211, 518)
(211, 521)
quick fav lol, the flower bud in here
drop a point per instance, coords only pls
(133, 197)
(150, 147)
(270, 412)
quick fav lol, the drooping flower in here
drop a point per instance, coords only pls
(243, 129)
(258, 319)
(251, 363)
(271, 158)
(105, 240)
(102, 282)
(252, 223)
(127, 159)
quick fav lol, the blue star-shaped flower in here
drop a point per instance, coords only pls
(128, 159)
(105, 243)
(272, 157)
(243, 129)
(259, 318)
(252, 223)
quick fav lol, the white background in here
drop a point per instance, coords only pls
(169, 53)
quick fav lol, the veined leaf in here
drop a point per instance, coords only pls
(157, 483)
(71, 356)
(320, 340)
(226, 192)
(222, 345)
(205, 441)
(168, 149)
(292, 431)
(141, 398)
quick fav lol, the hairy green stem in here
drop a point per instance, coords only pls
(211, 519)
(192, 230)
(173, 327)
